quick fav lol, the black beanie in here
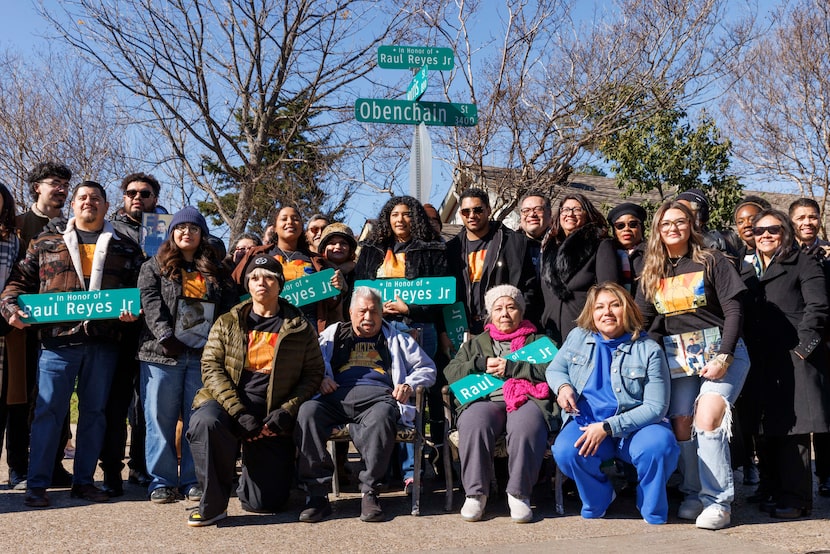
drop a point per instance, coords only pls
(263, 261)
(627, 208)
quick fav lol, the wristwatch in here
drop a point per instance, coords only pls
(607, 428)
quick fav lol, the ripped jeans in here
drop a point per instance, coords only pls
(711, 477)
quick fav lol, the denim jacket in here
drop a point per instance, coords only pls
(639, 377)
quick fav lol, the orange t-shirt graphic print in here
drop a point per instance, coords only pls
(87, 252)
(475, 262)
(261, 346)
(393, 266)
(294, 269)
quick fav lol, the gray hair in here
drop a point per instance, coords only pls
(367, 292)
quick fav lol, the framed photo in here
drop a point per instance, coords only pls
(194, 318)
(154, 231)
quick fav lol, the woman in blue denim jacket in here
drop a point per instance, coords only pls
(612, 383)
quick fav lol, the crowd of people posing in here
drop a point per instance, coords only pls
(670, 339)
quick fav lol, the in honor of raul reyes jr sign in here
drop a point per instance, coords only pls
(55, 307)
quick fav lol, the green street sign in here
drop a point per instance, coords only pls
(541, 351)
(421, 291)
(455, 321)
(312, 288)
(56, 307)
(407, 57)
(418, 86)
(404, 112)
(475, 386)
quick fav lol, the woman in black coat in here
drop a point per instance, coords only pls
(576, 255)
(794, 382)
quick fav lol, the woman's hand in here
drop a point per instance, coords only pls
(402, 392)
(17, 320)
(566, 398)
(590, 440)
(714, 370)
(496, 366)
(395, 307)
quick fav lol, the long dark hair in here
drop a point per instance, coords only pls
(787, 232)
(302, 241)
(421, 229)
(7, 216)
(592, 215)
(171, 260)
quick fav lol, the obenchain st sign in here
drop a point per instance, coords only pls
(403, 112)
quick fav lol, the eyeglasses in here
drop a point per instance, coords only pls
(186, 228)
(145, 194)
(633, 224)
(538, 210)
(677, 223)
(56, 184)
(773, 230)
(575, 211)
(478, 210)
(242, 248)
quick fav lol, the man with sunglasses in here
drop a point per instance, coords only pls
(140, 192)
(485, 254)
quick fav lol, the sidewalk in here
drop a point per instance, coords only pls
(133, 524)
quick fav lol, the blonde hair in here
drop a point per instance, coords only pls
(632, 317)
(656, 266)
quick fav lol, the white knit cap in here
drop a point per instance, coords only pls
(503, 290)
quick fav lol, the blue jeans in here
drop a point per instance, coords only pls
(93, 365)
(712, 482)
(652, 450)
(168, 392)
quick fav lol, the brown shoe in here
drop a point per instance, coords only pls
(89, 492)
(36, 498)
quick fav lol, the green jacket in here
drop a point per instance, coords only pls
(297, 369)
(471, 359)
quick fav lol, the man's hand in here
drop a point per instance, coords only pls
(328, 385)
(338, 281)
(16, 320)
(402, 392)
(127, 317)
(395, 307)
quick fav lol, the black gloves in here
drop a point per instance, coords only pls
(171, 346)
(279, 422)
(249, 425)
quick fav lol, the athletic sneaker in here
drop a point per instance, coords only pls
(520, 511)
(713, 517)
(196, 519)
(473, 507)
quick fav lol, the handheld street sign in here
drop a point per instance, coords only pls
(540, 351)
(312, 288)
(455, 320)
(475, 386)
(82, 305)
(421, 291)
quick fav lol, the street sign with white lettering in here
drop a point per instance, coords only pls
(421, 291)
(407, 57)
(56, 307)
(403, 112)
(314, 287)
(541, 351)
(418, 85)
(474, 386)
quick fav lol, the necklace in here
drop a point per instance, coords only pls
(675, 261)
(287, 257)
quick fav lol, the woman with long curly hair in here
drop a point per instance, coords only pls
(183, 290)
(403, 244)
(576, 255)
(694, 294)
(9, 252)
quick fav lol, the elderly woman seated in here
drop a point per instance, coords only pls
(522, 407)
(612, 382)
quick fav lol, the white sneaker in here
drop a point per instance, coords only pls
(473, 507)
(713, 517)
(690, 508)
(520, 511)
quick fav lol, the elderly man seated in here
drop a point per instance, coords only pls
(372, 371)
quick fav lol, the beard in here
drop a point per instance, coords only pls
(135, 214)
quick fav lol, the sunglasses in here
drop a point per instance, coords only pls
(633, 224)
(774, 230)
(145, 194)
(478, 210)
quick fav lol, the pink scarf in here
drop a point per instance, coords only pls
(516, 338)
